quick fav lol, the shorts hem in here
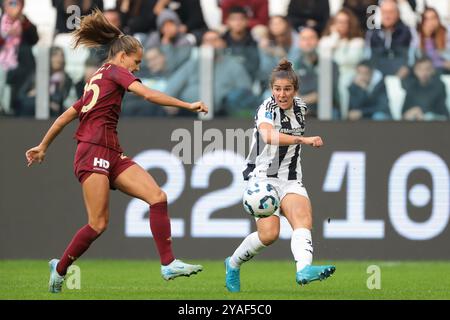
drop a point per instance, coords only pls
(84, 176)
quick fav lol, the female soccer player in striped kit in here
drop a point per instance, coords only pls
(99, 162)
(275, 158)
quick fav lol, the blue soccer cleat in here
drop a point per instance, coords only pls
(314, 273)
(178, 268)
(56, 281)
(232, 277)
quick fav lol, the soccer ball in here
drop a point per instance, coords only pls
(261, 200)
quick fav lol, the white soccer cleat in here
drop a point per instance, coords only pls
(178, 268)
(56, 281)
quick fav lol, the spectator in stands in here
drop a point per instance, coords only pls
(280, 43)
(60, 82)
(100, 54)
(309, 13)
(434, 40)
(359, 9)
(368, 96)
(154, 75)
(425, 93)
(441, 6)
(307, 68)
(231, 81)
(63, 16)
(257, 10)
(190, 13)
(113, 17)
(175, 45)
(137, 16)
(239, 40)
(59, 87)
(17, 37)
(90, 67)
(343, 40)
(390, 48)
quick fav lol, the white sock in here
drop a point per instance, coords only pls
(249, 248)
(301, 247)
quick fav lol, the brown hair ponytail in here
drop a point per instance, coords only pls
(96, 31)
(284, 70)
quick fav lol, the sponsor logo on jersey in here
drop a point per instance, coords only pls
(292, 132)
(101, 163)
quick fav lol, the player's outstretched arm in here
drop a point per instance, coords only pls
(37, 154)
(272, 136)
(162, 99)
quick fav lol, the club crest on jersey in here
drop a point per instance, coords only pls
(300, 116)
(101, 163)
(268, 115)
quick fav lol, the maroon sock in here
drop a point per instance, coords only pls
(160, 226)
(79, 244)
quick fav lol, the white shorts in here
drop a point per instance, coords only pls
(283, 187)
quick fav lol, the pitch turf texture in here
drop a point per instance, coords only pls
(113, 279)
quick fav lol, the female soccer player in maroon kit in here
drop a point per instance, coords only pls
(99, 162)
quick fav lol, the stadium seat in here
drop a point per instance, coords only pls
(446, 80)
(396, 95)
(109, 4)
(43, 15)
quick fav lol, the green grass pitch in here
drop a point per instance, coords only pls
(260, 280)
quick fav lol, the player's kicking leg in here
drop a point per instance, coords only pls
(138, 183)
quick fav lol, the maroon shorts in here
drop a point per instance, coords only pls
(91, 158)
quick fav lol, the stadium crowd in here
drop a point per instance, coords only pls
(401, 50)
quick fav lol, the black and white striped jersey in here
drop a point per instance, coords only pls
(272, 161)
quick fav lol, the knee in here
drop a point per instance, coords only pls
(158, 197)
(99, 225)
(268, 237)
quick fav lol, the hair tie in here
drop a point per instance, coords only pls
(121, 36)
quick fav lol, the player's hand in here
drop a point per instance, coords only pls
(36, 154)
(314, 141)
(198, 107)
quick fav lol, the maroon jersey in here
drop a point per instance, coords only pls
(99, 107)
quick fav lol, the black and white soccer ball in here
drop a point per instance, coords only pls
(261, 199)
